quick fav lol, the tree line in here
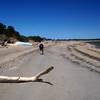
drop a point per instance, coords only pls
(10, 34)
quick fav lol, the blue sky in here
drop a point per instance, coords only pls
(53, 18)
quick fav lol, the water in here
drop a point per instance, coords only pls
(97, 44)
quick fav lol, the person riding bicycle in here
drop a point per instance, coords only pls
(41, 47)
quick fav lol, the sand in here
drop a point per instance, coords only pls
(78, 52)
(84, 54)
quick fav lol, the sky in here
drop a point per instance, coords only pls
(56, 19)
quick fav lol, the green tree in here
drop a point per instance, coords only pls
(2, 28)
(10, 31)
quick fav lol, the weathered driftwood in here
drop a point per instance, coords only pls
(36, 78)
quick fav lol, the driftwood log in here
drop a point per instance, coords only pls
(18, 79)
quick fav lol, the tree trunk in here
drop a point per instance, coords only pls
(17, 79)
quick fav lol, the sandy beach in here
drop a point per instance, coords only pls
(13, 54)
(74, 76)
(84, 54)
(78, 52)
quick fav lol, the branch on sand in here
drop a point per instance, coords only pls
(36, 78)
